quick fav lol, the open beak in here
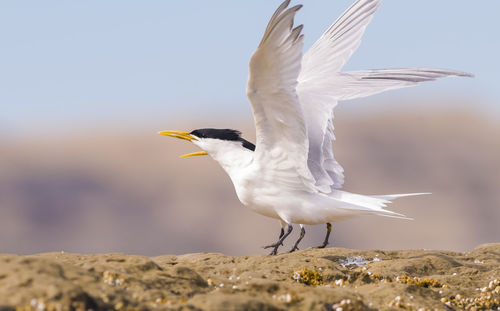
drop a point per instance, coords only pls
(183, 135)
(178, 134)
(199, 153)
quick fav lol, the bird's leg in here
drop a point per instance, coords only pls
(282, 232)
(283, 225)
(328, 230)
(302, 233)
(280, 241)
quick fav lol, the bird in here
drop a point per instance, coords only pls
(291, 174)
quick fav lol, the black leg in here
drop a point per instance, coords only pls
(328, 230)
(296, 246)
(280, 241)
(281, 232)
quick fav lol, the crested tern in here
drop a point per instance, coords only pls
(291, 173)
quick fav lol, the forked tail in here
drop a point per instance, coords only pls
(371, 204)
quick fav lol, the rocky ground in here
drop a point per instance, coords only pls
(312, 279)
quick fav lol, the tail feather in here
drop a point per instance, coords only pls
(390, 197)
(371, 204)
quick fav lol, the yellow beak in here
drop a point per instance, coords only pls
(178, 134)
(183, 135)
(199, 153)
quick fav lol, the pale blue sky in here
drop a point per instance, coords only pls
(69, 65)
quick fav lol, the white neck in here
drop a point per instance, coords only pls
(231, 155)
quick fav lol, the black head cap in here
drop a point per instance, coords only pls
(223, 134)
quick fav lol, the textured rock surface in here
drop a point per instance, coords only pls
(312, 279)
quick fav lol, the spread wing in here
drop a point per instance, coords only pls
(282, 141)
(322, 85)
(321, 63)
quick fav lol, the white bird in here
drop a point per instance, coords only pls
(291, 174)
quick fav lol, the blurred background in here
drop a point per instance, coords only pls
(85, 86)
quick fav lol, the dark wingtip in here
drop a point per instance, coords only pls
(469, 75)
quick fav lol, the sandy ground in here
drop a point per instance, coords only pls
(312, 279)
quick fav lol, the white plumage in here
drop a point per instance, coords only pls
(292, 174)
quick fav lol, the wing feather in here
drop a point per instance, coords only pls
(321, 85)
(334, 48)
(282, 141)
(323, 60)
(357, 84)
